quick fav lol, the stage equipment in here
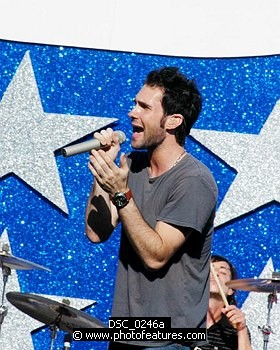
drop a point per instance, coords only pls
(56, 315)
(89, 145)
(8, 262)
(261, 285)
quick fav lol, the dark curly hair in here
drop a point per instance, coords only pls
(233, 275)
(180, 95)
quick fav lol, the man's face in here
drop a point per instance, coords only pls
(223, 272)
(147, 118)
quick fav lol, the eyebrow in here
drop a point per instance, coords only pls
(226, 267)
(142, 104)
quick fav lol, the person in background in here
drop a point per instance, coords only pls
(226, 326)
(165, 200)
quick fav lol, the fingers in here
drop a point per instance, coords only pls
(115, 138)
(110, 177)
(123, 162)
(106, 137)
(109, 141)
(101, 166)
(100, 163)
(235, 316)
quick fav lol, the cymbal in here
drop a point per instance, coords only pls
(264, 285)
(52, 312)
(13, 262)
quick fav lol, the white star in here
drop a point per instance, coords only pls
(256, 158)
(17, 326)
(29, 136)
(256, 309)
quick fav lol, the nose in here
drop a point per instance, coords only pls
(133, 113)
(216, 272)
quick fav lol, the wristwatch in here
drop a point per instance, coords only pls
(121, 199)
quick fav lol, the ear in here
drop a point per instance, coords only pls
(230, 291)
(173, 121)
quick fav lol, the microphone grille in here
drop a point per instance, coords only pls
(121, 136)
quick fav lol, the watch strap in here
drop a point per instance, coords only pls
(128, 195)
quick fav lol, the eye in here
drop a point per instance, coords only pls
(224, 271)
(144, 105)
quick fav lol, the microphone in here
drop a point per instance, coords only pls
(89, 145)
(67, 342)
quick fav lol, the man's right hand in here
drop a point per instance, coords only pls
(110, 140)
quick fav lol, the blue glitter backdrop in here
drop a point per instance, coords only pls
(239, 95)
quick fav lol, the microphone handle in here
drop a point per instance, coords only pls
(81, 148)
(88, 145)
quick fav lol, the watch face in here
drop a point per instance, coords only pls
(120, 200)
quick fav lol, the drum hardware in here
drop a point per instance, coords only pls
(56, 315)
(266, 329)
(264, 285)
(67, 340)
(8, 262)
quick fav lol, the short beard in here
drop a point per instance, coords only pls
(153, 142)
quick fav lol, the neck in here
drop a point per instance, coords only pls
(162, 159)
(214, 313)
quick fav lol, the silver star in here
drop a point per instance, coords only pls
(17, 326)
(256, 309)
(256, 158)
(29, 136)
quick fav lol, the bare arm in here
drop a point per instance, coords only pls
(154, 246)
(101, 215)
(237, 318)
(243, 340)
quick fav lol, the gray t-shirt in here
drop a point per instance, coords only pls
(184, 196)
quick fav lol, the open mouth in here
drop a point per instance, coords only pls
(137, 130)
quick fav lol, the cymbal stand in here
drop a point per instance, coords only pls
(267, 330)
(54, 327)
(3, 309)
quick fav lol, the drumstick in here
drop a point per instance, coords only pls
(220, 288)
(219, 284)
